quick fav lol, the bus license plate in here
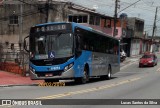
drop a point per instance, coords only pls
(48, 74)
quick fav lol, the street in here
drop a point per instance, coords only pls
(131, 82)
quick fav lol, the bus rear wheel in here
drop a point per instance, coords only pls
(109, 75)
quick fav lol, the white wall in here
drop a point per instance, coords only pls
(135, 47)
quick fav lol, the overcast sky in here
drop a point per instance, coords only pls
(144, 9)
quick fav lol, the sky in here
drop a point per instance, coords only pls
(144, 9)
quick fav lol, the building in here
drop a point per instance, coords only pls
(134, 36)
(155, 42)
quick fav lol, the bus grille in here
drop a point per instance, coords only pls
(55, 73)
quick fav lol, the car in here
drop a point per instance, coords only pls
(148, 59)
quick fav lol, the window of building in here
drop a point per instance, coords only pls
(13, 19)
(91, 20)
(107, 23)
(75, 19)
(116, 32)
(78, 19)
(97, 20)
(94, 20)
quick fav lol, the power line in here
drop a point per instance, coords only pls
(129, 6)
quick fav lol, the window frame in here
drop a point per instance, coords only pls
(13, 20)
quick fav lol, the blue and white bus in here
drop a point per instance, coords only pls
(71, 51)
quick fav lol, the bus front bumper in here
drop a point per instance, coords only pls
(64, 75)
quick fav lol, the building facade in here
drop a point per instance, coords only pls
(134, 38)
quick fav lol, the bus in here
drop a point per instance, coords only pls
(62, 50)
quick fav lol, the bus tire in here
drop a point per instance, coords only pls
(109, 74)
(83, 79)
(51, 80)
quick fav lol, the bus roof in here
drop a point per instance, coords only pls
(76, 25)
(49, 23)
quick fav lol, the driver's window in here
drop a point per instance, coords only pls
(78, 42)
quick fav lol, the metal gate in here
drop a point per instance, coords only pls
(13, 58)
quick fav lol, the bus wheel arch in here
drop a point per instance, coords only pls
(85, 76)
(86, 68)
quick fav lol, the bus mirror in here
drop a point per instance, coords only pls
(25, 45)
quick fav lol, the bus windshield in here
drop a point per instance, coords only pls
(59, 45)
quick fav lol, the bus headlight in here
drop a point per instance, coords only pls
(68, 67)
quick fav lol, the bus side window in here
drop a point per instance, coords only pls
(85, 47)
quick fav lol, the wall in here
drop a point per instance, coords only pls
(119, 32)
(10, 32)
(135, 47)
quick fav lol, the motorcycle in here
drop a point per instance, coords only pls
(122, 55)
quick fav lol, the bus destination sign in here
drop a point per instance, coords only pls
(52, 28)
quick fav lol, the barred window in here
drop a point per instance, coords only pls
(78, 18)
(13, 19)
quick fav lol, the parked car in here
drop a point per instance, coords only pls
(148, 59)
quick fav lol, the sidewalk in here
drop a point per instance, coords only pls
(12, 79)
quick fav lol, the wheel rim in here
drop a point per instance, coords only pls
(85, 77)
(109, 73)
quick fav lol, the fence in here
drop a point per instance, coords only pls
(13, 58)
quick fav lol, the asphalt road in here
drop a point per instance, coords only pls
(131, 82)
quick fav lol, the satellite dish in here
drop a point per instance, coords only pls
(123, 16)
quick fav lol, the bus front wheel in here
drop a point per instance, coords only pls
(83, 79)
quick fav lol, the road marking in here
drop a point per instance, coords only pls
(90, 89)
(5, 106)
(123, 67)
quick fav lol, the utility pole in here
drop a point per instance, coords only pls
(154, 27)
(115, 17)
(21, 25)
(46, 9)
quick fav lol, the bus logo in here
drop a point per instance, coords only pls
(51, 54)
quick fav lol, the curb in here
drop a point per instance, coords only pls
(11, 85)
